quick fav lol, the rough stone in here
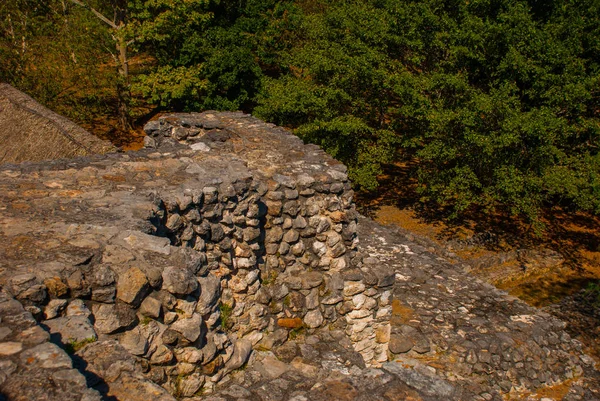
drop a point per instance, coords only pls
(190, 328)
(72, 329)
(112, 318)
(179, 280)
(151, 307)
(132, 286)
(46, 356)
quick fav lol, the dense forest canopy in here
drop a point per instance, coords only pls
(496, 102)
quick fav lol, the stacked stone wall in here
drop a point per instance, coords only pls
(230, 235)
(292, 263)
(160, 271)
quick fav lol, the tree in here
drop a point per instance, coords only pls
(336, 90)
(216, 57)
(53, 52)
(117, 26)
(497, 101)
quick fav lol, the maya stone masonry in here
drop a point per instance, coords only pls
(226, 261)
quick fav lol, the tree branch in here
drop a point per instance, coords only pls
(96, 13)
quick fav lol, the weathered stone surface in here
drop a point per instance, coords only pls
(240, 356)
(112, 318)
(399, 344)
(134, 342)
(151, 307)
(110, 362)
(257, 234)
(77, 307)
(149, 243)
(179, 280)
(46, 356)
(54, 307)
(191, 328)
(313, 319)
(132, 286)
(71, 329)
(10, 348)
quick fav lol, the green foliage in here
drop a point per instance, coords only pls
(226, 311)
(73, 346)
(52, 50)
(591, 295)
(335, 90)
(296, 332)
(270, 277)
(496, 101)
(208, 53)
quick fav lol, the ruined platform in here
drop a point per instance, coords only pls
(227, 261)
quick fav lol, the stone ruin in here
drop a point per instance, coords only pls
(32, 132)
(225, 261)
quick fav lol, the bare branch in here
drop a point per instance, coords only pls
(96, 13)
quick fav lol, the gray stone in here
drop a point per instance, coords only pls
(103, 276)
(139, 240)
(134, 342)
(10, 348)
(54, 307)
(210, 290)
(240, 356)
(151, 307)
(313, 319)
(29, 287)
(311, 279)
(77, 307)
(161, 356)
(179, 280)
(273, 235)
(112, 318)
(399, 344)
(46, 356)
(189, 385)
(190, 328)
(272, 367)
(104, 294)
(72, 329)
(291, 236)
(428, 385)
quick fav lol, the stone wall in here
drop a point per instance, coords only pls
(161, 273)
(285, 244)
(191, 255)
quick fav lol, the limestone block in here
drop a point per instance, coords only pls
(45, 356)
(111, 318)
(151, 307)
(134, 342)
(191, 328)
(54, 307)
(313, 319)
(179, 280)
(132, 286)
(72, 329)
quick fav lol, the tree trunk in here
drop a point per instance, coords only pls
(123, 93)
